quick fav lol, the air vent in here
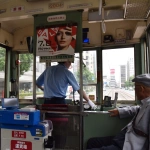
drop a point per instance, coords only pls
(110, 14)
(137, 9)
(139, 30)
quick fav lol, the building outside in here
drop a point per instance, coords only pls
(122, 75)
(130, 68)
(112, 82)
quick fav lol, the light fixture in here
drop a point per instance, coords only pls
(103, 27)
(103, 23)
(139, 30)
(100, 7)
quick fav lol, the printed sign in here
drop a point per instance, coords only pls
(4, 1)
(18, 8)
(58, 58)
(56, 5)
(56, 18)
(34, 11)
(92, 97)
(112, 71)
(120, 41)
(39, 132)
(18, 134)
(21, 116)
(56, 40)
(2, 11)
(21, 145)
(83, 5)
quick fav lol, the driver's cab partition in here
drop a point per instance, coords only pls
(100, 124)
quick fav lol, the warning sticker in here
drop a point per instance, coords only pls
(21, 116)
(18, 134)
(21, 145)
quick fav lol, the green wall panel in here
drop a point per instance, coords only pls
(101, 124)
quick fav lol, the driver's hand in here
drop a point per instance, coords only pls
(114, 112)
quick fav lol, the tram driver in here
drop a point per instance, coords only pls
(56, 80)
(134, 136)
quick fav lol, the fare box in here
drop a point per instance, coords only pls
(18, 117)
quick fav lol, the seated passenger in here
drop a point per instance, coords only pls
(134, 136)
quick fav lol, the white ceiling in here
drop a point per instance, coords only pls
(15, 24)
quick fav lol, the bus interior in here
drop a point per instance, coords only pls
(112, 47)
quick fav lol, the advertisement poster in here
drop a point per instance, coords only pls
(56, 40)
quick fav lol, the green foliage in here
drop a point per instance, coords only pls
(26, 60)
(88, 77)
(2, 58)
(22, 94)
(129, 82)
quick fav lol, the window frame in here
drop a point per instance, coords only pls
(6, 71)
(93, 84)
(23, 100)
(135, 69)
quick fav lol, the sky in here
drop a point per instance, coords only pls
(113, 58)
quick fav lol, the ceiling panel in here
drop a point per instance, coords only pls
(12, 26)
(137, 9)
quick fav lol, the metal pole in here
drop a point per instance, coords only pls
(125, 9)
(34, 79)
(148, 50)
(81, 104)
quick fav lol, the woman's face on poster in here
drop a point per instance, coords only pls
(64, 38)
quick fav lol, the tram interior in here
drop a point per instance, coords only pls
(109, 31)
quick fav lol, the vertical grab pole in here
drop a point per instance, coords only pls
(81, 103)
(148, 50)
(81, 83)
(34, 80)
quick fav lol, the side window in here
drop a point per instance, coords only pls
(89, 74)
(2, 70)
(26, 76)
(40, 67)
(118, 72)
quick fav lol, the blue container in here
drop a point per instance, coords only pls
(19, 117)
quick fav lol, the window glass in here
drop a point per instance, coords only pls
(89, 74)
(26, 76)
(40, 67)
(89, 90)
(118, 72)
(2, 70)
(89, 67)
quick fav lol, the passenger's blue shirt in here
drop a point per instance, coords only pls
(56, 80)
